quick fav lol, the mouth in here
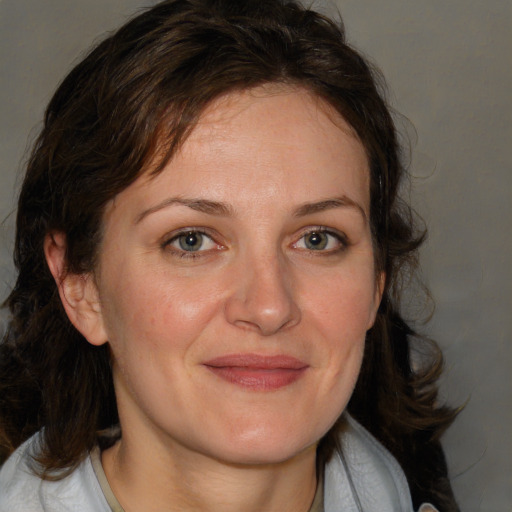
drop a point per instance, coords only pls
(257, 372)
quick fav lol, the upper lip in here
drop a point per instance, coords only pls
(257, 361)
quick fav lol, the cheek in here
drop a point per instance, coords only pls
(152, 329)
(154, 309)
(340, 313)
(344, 306)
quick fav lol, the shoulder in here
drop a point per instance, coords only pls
(21, 490)
(364, 475)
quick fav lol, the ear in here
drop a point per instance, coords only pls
(380, 283)
(78, 292)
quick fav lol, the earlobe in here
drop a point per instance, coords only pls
(78, 292)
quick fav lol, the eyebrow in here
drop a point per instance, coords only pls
(225, 210)
(329, 204)
(200, 205)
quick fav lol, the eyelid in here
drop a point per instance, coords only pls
(169, 238)
(338, 235)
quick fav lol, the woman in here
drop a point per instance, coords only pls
(209, 246)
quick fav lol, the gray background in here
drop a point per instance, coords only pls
(448, 65)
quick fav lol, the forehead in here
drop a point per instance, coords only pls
(271, 107)
(271, 141)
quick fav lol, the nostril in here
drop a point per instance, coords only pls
(265, 306)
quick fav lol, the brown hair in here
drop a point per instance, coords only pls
(148, 83)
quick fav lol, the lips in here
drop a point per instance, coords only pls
(257, 372)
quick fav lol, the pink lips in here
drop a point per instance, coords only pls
(256, 372)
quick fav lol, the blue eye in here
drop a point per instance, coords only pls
(191, 241)
(321, 240)
(316, 240)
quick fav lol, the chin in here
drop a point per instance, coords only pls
(261, 448)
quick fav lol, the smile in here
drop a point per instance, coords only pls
(258, 373)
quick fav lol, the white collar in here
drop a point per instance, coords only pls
(365, 477)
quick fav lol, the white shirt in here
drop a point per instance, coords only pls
(364, 477)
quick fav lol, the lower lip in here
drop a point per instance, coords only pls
(258, 379)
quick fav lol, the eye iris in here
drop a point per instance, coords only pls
(316, 240)
(191, 241)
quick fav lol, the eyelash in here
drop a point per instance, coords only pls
(181, 253)
(340, 238)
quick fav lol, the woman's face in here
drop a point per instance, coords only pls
(236, 286)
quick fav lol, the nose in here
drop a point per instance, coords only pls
(263, 298)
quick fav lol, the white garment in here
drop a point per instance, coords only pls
(366, 478)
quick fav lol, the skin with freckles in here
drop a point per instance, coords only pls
(235, 289)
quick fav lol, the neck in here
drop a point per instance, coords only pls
(149, 478)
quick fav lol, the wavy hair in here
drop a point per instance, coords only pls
(139, 94)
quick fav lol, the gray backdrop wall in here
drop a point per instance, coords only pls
(448, 65)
